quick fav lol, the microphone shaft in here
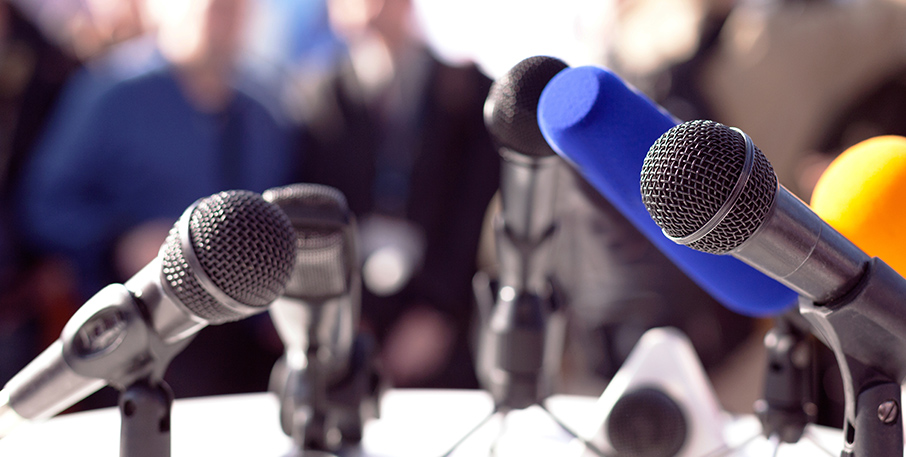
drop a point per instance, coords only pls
(869, 323)
(797, 248)
(527, 203)
(46, 387)
(528, 193)
(170, 321)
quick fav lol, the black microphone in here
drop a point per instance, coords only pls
(518, 350)
(226, 258)
(317, 318)
(708, 187)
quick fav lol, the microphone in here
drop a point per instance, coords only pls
(317, 318)
(604, 127)
(710, 188)
(227, 257)
(518, 345)
(860, 194)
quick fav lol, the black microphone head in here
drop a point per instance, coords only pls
(704, 189)
(647, 423)
(229, 256)
(325, 253)
(510, 111)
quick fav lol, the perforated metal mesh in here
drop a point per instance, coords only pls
(245, 245)
(689, 173)
(510, 112)
(647, 423)
(325, 253)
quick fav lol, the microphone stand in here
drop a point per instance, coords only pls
(526, 330)
(866, 330)
(110, 338)
(788, 404)
(145, 415)
(314, 408)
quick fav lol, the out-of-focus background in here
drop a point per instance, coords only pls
(116, 114)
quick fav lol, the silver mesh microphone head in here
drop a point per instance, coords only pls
(707, 186)
(229, 256)
(325, 253)
(510, 111)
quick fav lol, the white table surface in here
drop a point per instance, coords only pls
(417, 423)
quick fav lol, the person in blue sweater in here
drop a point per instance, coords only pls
(103, 188)
(126, 161)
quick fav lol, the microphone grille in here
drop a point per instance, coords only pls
(647, 423)
(245, 246)
(510, 111)
(691, 171)
(325, 249)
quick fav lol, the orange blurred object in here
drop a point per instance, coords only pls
(862, 194)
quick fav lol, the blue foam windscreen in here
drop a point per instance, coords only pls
(604, 128)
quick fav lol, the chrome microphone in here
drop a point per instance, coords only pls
(708, 187)
(227, 257)
(317, 318)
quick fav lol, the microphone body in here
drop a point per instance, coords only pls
(710, 188)
(802, 251)
(604, 128)
(522, 333)
(525, 224)
(226, 258)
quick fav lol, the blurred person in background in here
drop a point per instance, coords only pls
(33, 70)
(39, 61)
(105, 190)
(616, 283)
(805, 78)
(401, 134)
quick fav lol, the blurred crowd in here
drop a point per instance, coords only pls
(115, 115)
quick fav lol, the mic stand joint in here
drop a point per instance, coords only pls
(788, 403)
(145, 412)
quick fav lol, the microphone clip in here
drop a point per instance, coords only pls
(866, 330)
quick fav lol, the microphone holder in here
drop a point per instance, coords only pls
(545, 327)
(866, 330)
(788, 402)
(110, 338)
(145, 414)
(321, 414)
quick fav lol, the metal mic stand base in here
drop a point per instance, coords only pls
(322, 415)
(503, 411)
(145, 413)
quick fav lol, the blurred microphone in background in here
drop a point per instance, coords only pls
(400, 134)
(328, 369)
(522, 332)
(228, 257)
